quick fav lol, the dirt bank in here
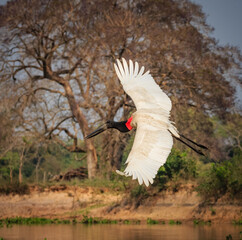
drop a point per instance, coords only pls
(74, 202)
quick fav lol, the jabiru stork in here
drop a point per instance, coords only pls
(154, 135)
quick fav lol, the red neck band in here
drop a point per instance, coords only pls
(129, 122)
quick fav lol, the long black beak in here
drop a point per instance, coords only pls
(97, 131)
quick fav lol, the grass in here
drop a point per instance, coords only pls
(114, 184)
(237, 222)
(137, 222)
(8, 222)
(31, 221)
(91, 220)
(151, 221)
(213, 211)
(202, 222)
(229, 237)
(173, 222)
(14, 188)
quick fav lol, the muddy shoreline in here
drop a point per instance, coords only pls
(75, 202)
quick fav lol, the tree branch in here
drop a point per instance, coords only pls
(49, 90)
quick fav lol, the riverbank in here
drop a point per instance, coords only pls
(72, 202)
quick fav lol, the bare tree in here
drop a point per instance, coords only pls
(61, 53)
(41, 49)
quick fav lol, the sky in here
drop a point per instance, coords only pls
(226, 18)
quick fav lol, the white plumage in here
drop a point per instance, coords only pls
(153, 140)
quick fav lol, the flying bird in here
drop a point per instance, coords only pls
(154, 135)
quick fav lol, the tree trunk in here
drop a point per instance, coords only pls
(20, 178)
(44, 177)
(36, 174)
(91, 159)
(11, 174)
(37, 171)
(91, 151)
(20, 173)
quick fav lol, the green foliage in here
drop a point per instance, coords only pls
(214, 180)
(213, 211)
(229, 129)
(127, 149)
(139, 192)
(177, 165)
(237, 222)
(91, 220)
(88, 220)
(137, 221)
(32, 221)
(9, 161)
(229, 237)
(4, 172)
(173, 222)
(51, 159)
(14, 188)
(113, 184)
(28, 169)
(221, 178)
(201, 222)
(151, 221)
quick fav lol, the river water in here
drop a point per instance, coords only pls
(118, 232)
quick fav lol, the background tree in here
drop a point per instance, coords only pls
(61, 55)
(43, 45)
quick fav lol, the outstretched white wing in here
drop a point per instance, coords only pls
(149, 152)
(141, 87)
(153, 141)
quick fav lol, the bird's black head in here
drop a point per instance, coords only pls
(123, 126)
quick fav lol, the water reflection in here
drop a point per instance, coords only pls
(118, 232)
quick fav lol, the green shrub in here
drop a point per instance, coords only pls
(126, 221)
(178, 165)
(91, 220)
(237, 222)
(31, 221)
(151, 221)
(14, 188)
(221, 178)
(139, 192)
(172, 222)
(202, 222)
